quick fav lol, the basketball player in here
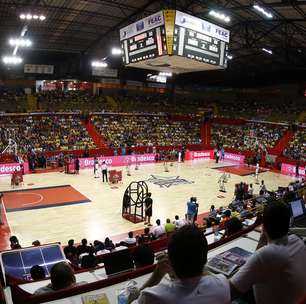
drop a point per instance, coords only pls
(104, 172)
(96, 167)
(257, 171)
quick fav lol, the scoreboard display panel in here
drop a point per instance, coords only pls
(200, 40)
(144, 39)
(173, 41)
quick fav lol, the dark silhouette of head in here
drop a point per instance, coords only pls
(276, 220)
(62, 276)
(187, 250)
(37, 272)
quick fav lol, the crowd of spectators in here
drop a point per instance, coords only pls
(44, 133)
(251, 136)
(146, 130)
(297, 147)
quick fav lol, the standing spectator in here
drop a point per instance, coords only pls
(276, 271)
(158, 230)
(96, 167)
(104, 171)
(191, 210)
(77, 165)
(263, 188)
(148, 209)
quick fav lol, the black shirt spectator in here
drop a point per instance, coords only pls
(70, 250)
(89, 261)
(143, 255)
(83, 248)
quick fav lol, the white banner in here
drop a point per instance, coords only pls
(142, 25)
(96, 71)
(38, 69)
(202, 26)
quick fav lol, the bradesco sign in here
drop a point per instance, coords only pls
(205, 154)
(234, 157)
(6, 169)
(118, 160)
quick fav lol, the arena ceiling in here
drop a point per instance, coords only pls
(91, 27)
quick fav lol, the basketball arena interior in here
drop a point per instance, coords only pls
(152, 151)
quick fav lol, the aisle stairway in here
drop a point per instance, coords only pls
(97, 138)
(282, 143)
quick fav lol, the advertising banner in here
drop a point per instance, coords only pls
(205, 154)
(291, 170)
(115, 161)
(7, 169)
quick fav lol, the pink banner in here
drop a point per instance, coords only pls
(291, 170)
(205, 154)
(234, 157)
(7, 169)
(115, 161)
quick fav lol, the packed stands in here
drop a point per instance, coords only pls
(249, 136)
(44, 133)
(297, 147)
(146, 130)
(12, 101)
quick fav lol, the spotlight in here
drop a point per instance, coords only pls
(229, 57)
(219, 16)
(42, 18)
(99, 64)
(22, 16)
(263, 11)
(11, 60)
(116, 51)
(20, 42)
(267, 51)
(29, 17)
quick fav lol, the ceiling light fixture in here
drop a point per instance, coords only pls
(13, 60)
(219, 16)
(99, 64)
(263, 11)
(267, 51)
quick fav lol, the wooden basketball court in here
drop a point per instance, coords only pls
(102, 216)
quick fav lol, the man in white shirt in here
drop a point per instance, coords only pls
(179, 222)
(276, 271)
(187, 256)
(104, 171)
(158, 230)
(130, 240)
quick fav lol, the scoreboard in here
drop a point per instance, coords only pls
(144, 39)
(200, 40)
(174, 41)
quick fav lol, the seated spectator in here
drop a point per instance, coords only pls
(147, 236)
(61, 276)
(232, 226)
(70, 250)
(130, 240)
(245, 212)
(191, 284)
(14, 242)
(276, 271)
(158, 230)
(226, 216)
(143, 255)
(98, 245)
(179, 222)
(212, 212)
(109, 245)
(36, 243)
(169, 227)
(37, 273)
(89, 260)
(83, 248)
